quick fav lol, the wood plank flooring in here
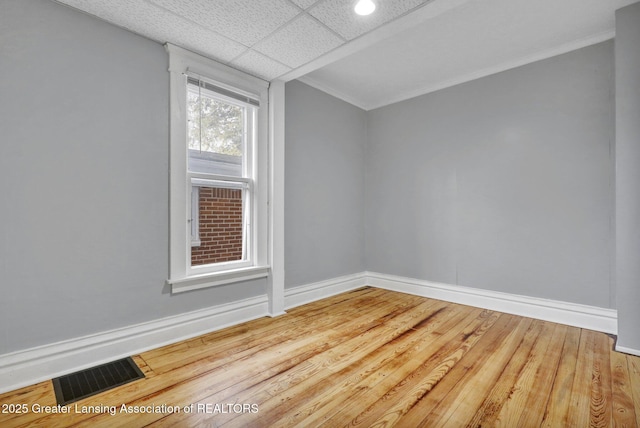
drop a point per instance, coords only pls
(367, 358)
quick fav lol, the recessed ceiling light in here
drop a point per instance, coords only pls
(365, 7)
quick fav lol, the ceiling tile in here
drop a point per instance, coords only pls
(305, 4)
(299, 42)
(340, 17)
(160, 25)
(258, 65)
(245, 21)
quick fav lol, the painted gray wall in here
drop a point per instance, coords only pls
(627, 64)
(83, 179)
(503, 183)
(324, 182)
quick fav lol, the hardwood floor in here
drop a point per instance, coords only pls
(368, 358)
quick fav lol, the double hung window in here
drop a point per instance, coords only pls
(218, 174)
(220, 141)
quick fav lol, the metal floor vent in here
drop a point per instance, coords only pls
(85, 383)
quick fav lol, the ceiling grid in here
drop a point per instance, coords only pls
(404, 49)
(266, 38)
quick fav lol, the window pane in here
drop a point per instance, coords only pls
(216, 134)
(220, 225)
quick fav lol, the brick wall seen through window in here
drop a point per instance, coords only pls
(220, 226)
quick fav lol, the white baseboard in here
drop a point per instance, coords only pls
(626, 350)
(23, 368)
(583, 316)
(319, 290)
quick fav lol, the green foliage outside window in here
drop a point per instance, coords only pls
(214, 126)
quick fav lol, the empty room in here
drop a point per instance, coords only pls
(257, 213)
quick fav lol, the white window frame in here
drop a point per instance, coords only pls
(183, 277)
(244, 182)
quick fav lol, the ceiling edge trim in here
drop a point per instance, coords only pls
(537, 56)
(328, 90)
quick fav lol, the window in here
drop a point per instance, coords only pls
(218, 174)
(220, 141)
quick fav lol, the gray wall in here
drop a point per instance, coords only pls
(83, 179)
(324, 183)
(503, 183)
(627, 64)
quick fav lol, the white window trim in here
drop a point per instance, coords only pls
(181, 276)
(275, 283)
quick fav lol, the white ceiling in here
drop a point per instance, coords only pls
(406, 48)
(475, 39)
(266, 38)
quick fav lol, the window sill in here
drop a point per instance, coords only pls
(215, 279)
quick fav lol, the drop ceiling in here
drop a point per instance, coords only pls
(406, 48)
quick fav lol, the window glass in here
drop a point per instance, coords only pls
(216, 133)
(220, 215)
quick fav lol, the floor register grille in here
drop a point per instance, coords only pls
(85, 383)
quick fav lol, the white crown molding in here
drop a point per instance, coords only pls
(583, 316)
(301, 295)
(334, 93)
(518, 62)
(30, 366)
(528, 59)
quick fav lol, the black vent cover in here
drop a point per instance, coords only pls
(85, 383)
